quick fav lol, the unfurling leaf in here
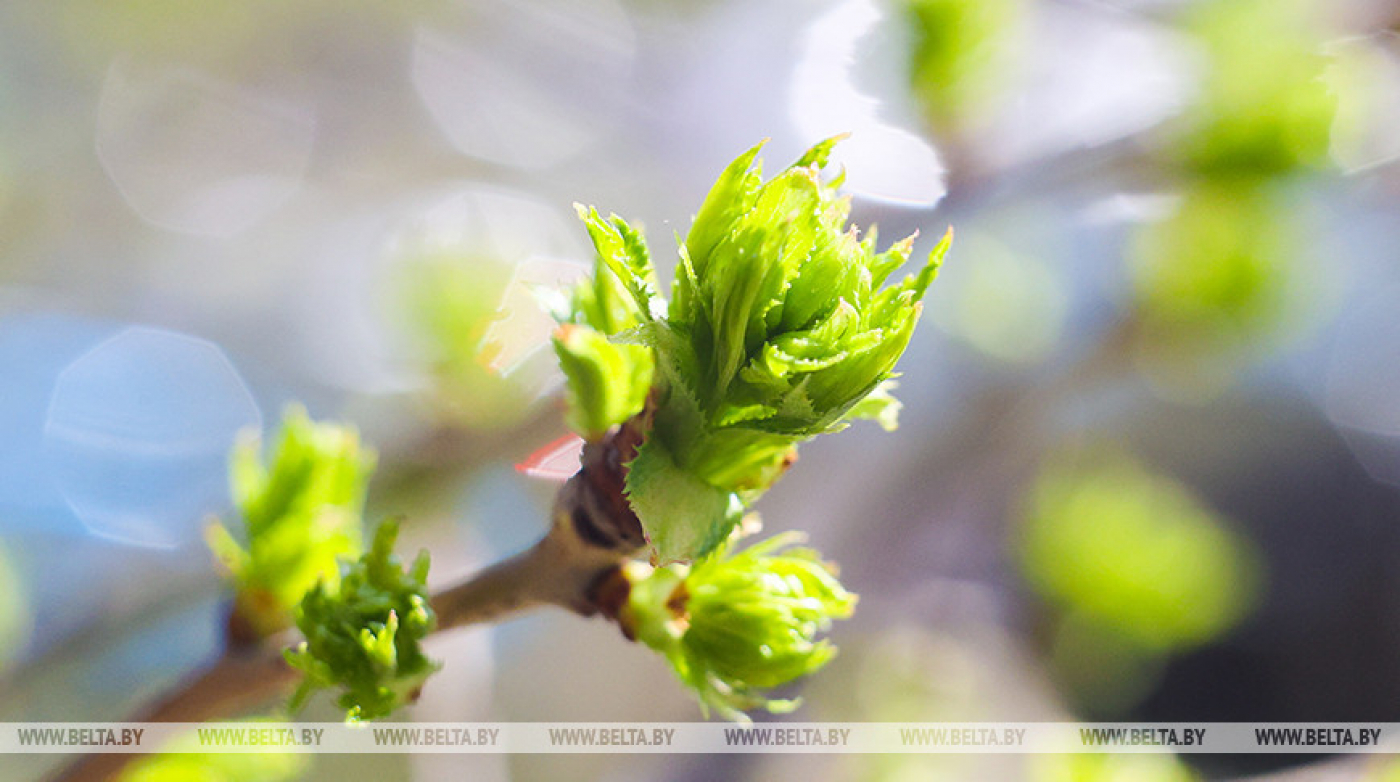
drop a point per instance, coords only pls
(606, 384)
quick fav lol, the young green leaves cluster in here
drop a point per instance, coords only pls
(362, 615)
(364, 634)
(737, 623)
(780, 327)
(782, 312)
(301, 510)
(778, 330)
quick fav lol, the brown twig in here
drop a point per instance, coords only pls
(239, 681)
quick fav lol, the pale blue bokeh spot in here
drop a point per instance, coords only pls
(34, 348)
(138, 433)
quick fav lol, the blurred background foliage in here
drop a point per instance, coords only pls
(185, 763)
(960, 53)
(450, 303)
(1136, 567)
(1111, 768)
(1150, 447)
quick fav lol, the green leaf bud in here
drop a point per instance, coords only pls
(736, 624)
(364, 635)
(778, 327)
(787, 328)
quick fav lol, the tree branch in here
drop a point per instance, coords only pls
(241, 680)
(593, 532)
